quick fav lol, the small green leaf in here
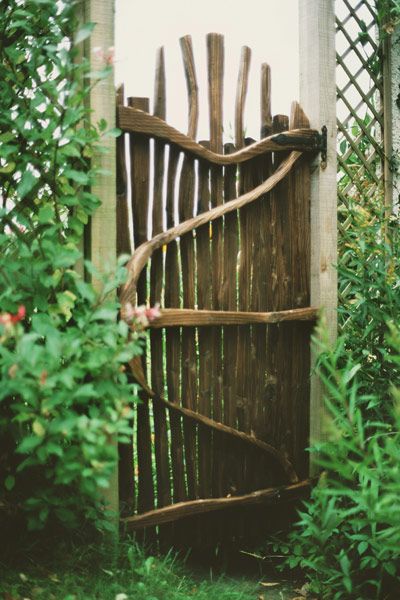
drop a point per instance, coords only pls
(77, 176)
(26, 184)
(9, 482)
(84, 32)
(46, 214)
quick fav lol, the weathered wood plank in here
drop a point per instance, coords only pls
(195, 507)
(215, 69)
(135, 121)
(185, 317)
(140, 172)
(156, 287)
(144, 252)
(186, 203)
(204, 335)
(318, 100)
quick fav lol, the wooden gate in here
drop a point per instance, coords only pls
(221, 233)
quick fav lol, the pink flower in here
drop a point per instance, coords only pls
(8, 319)
(141, 315)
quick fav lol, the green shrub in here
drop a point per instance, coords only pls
(347, 540)
(64, 394)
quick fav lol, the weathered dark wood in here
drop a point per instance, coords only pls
(173, 337)
(135, 121)
(142, 254)
(231, 271)
(205, 338)
(181, 317)
(244, 274)
(123, 235)
(156, 286)
(229, 304)
(186, 204)
(140, 171)
(195, 507)
(215, 68)
(126, 480)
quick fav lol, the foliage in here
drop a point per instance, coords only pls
(64, 394)
(347, 539)
(90, 576)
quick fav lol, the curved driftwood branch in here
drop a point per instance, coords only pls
(137, 371)
(180, 510)
(133, 120)
(144, 251)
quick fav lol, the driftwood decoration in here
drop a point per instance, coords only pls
(222, 243)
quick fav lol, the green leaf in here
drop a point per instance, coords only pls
(77, 176)
(28, 444)
(46, 214)
(9, 482)
(26, 184)
(84, 32)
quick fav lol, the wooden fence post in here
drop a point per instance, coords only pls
(100, 246)
(318, 100)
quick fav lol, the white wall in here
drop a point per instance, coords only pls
(269, 27)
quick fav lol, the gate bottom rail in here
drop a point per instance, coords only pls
(180, 510)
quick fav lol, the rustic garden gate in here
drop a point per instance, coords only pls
(221, 234)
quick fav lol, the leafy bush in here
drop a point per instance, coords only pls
(348, 537)
(64, 393)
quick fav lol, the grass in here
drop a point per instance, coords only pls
(88, 574)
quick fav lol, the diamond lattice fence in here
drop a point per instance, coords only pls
(359, 100)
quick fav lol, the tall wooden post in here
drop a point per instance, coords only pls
(101, 244)
(318, 99)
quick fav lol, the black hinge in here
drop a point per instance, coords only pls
(323, 145)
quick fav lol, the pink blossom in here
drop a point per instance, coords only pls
(141, 315)
(8, 319)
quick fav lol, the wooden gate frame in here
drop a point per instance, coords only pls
(317, 96)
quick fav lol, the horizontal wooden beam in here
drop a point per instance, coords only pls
(186, 317)
(133, 120)
(174, 512)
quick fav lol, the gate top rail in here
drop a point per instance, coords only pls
(134, 120)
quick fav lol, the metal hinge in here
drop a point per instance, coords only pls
(323, 145)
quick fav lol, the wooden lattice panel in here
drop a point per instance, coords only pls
(359, 99)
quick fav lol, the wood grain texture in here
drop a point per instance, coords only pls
(137, 370)
(136, 121)
(201, 506)
(318, 100)
(140, 172)
(102, 242)
(156, 288)
(144, 252)
(124, 245)
(125, 451)
(215, 71)
(186, 205)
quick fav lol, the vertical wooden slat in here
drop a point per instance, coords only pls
(204, 301)
(140, 150)
(318, 100)
(215, 64)
(123, 235)
(173, 336)
(297, 416)
(243, 338)
(186, 209)
(156, 286)
(126, 456)
(229, 302)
